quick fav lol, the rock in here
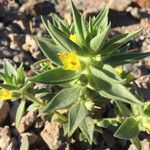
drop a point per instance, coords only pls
(31, 137)
(134, 12)
(28, 7)
(4, 110)
(145, 145)
(7, 53)
(50, 135)
(5, 138)
(15, 42)
(35, 7)
(12, 5)
(30, 44)
(135, 70)
(119, 5)
(12, 145)
(27, 121)
(44, 8)
(142, 3)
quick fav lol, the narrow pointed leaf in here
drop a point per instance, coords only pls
(115, 91)
(62, 38)
(63, 99)
(84, 27)
(87, 127)
(128, 130)
(9, 69)
(100, 74)
(63, 42)
(115, 43)
(123, 109)
(77, 22)
(97, 42)
(20, 112)
(61, 25)
(55, 76)
(101, 20)
(51, 51)
(6, 78)
(125, 58)
(76, 115)
(8, 87)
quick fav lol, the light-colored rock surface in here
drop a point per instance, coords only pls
(118, 5)
(5, 138)
(145, 145)
(50, 135)
(143, 3)
(27, 121)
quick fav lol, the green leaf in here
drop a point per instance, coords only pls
(123, 108)
(63, 39)
(8, 87)
(61, 25)
(9, 69)
(125, 58)
(114, 91)
(101, 21)
(128, 130)
(6, 78)
(63, 99)
(51, 51)
(77, 22)
(84, 27)
(76, 115)
(115, 43)
(20, 76)
(24, 143)
(100, 74)
(90, 25)
(55, 76)
(98, 41)
(136, 143)
(20, 112)
(111, 72)
(87, 127)
(63, 42)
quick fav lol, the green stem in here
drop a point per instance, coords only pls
(34, 99)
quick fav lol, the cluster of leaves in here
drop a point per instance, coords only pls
(84, 89)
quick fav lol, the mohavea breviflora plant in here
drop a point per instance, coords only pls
(86, 65)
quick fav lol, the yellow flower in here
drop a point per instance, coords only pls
(70, 61)
(119, 70)
(5, 95)
(73, 37)
(146, 124)
(89, 105)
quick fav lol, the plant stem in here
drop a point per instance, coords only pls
(34, 99)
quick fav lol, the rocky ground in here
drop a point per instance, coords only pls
(21, 18)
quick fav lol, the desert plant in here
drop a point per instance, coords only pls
(82, 60)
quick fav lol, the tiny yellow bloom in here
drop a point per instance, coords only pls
(5, 95)
(70, 61)
(146, 124)
(119, 70)
(73, 37)
(89, 105)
